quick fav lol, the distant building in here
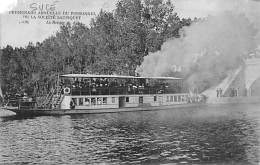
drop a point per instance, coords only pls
(247, 81)
(176, 68)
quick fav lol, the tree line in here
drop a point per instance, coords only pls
(113, 43)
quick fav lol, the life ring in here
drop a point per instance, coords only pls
(66, 90)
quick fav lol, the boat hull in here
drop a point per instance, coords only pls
(42, 112)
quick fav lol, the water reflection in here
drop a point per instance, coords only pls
(212, 134)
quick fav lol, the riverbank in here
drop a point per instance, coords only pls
(234, 100)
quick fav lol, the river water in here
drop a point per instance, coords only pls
(201, 135)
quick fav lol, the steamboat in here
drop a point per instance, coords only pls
(88, 93)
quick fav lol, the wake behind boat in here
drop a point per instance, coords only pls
(87, 93)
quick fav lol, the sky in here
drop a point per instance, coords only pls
(18, 30)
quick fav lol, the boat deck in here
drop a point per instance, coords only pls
(36, 112)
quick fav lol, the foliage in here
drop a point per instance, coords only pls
(114, 43)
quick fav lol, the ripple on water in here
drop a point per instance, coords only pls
(207, 135)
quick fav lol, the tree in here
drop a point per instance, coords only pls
(114, 43)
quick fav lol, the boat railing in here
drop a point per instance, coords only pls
(27, 105)
(121, 90)
(22, 102)
(12, 102)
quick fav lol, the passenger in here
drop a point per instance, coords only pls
(87, 102)
(25, 97)
(97, 81)
(220, 92)
(85, 83)
(115, 83)
(74, 84)
(94, 90)
(235, 92)
(77, 82)
(82, 83)
(106, 82)
(128, 88)
(72, 104)
(232, 92)
(99, 101)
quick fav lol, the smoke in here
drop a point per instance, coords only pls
(209, 48)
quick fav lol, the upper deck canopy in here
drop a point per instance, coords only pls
(115, 76)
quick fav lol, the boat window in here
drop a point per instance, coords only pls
(80, 101)
(155, 98)
(127, 99)
(175, 99)
(87, 101)
(141, 100)
(171, 100)
(99, 100)
(104, 100)
(93, 101)
(182, 98)
(75, 101)
(113, 99)
(179, 98)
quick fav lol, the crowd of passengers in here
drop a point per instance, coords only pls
(96, 83)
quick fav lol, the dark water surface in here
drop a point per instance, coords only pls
(204, 135)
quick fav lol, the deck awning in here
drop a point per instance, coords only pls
(115, 76)
(161, 78)
(93, 76)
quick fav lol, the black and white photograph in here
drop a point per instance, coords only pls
(131, 82)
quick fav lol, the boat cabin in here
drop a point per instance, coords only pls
(85, 91)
